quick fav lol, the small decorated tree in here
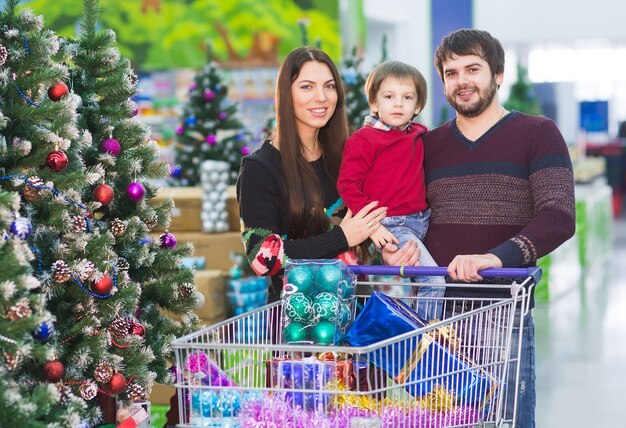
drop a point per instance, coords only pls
(522, 97)
(210, 129)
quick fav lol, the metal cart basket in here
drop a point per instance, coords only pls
(461, 371)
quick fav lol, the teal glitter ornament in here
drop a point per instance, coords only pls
(295, 332)
(326, 307)
(328, 278)
(345, 316)
(323, 333)
(301, 277)
(298, 307)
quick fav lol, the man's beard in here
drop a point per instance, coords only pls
(476, 108)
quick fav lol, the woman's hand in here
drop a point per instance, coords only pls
(408, 255)
(360, 226)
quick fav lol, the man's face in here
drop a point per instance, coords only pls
(469, 85)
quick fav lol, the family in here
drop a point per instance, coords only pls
(490, 188)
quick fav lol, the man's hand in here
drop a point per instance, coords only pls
(465, 268)
(408, 255)
(382, 236)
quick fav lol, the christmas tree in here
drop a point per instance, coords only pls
(24, 331)
(522, 97)
(125, 338)
(210, 129)
(40, 148)
(354, 82)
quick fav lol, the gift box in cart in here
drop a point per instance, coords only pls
(391, 382)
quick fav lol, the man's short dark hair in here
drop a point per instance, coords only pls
(468, 41)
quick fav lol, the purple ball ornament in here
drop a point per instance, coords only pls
(211, 139)
(192, 86)
(21, 228)
(245, 150)
(180, 130)
(168, 240)
(223, 115)
(135, 191)
(209, 95)
(111, 146)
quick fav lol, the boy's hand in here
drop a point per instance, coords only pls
(382, 236)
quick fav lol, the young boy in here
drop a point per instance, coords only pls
(382, 162)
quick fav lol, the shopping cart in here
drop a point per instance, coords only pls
(460, 371)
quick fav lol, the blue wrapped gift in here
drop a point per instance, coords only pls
(413, 360)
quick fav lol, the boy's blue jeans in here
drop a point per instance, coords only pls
(413, 227)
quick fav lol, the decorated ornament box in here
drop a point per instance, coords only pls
(317, 301)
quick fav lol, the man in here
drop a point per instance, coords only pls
(499, 184)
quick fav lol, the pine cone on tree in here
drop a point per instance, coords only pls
(88, 391)
(65, 393)
(19, 310)
(32, 193)
(136, 392)
(12, 360)
(122, 264)
(118, 227)
(79, 223)
(84, 269)
(103, 372)
(120, 328)
(187, 289)
(151, 223)
(60, 271)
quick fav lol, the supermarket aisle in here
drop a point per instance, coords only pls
(581, 345)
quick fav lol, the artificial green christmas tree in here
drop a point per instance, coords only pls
(210, 129)
(354, 82)
(25, 328)
(147, 271)
(522, 97)
(40, 157)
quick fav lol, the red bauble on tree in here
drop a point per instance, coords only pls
(104, 194)
(58, 91)
(57, 160)
(117, 384)
(102, 287)
(53, 371)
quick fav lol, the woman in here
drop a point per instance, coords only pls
(288, 201)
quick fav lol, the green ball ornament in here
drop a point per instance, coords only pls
(326, 306)
(323, 333)
(298, 307)
(295, 332)
(328, 278)
(302, 277)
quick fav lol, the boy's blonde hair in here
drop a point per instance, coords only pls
(397, 70)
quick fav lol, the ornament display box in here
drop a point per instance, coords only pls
(187, 207)
(212, 285)
(232, 206)
(161, 394)
(214, 247)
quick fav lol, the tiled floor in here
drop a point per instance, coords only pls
(581, 344)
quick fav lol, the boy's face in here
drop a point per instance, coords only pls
(396, 102)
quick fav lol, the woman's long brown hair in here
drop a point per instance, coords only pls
(305, 206)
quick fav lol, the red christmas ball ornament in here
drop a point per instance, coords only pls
(57, 160)
(104, 194)
(111, 146)
(58, 91)
(117, 384)
(102, 287)
(53, 371)
(135, 191)
(138, 330)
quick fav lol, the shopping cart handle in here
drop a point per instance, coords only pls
(534, 272)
